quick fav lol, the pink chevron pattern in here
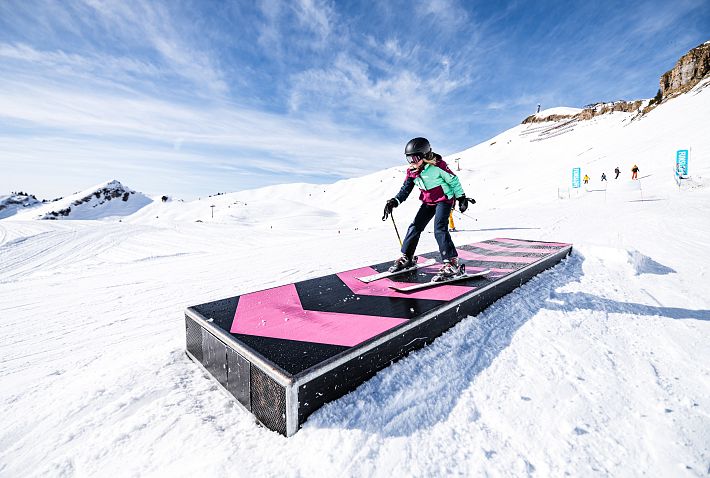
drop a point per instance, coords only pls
(497, 248)
(530, 243)
(472, 256)
(278, 313)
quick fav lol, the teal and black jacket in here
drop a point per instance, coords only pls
(437, 183)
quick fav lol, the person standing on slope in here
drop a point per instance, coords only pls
(440, 189)
(617, 171)
(634, 172)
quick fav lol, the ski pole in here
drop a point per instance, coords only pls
(395, 229)
(472, 201)
(466, 215)
(388, 212)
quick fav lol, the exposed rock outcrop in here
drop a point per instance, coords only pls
(16, 202)
(688, 71)
(104, 200)
(590, 111)
(541, 119)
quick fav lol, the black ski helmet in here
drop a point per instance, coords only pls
(417, 146)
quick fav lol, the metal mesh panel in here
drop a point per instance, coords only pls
(268, 401)
(193, 338)
(215, 357)
(238, 377)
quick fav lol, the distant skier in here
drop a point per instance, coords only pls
(634, 172)
(440, 189)
(603, 176)
(452, 226)
(586, 179)
(617, 171)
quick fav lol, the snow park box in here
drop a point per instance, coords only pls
(286, 351)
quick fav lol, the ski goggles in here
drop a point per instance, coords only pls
(414, 158)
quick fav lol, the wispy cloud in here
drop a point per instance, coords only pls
(316, 16)
(449, 14)
(269, 32)
(273, 91)
(152, 24)
(285, 26)
(117, 130)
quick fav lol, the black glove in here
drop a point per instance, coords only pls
(463, 203)
(391, 204)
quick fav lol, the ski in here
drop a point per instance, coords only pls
(382, 275)
(427, 285)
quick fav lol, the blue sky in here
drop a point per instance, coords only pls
(196, 97)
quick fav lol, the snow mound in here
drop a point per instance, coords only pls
(645, 265)
(109, 199)
(558, 111)
(16, 202)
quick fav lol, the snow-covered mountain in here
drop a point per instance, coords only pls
(13, 203)
(108, 199)
(597, 367)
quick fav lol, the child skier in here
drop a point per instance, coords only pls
(440, 189)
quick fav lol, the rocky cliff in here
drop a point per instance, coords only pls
(590, 111)
(688, 71)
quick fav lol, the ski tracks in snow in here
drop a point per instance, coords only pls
(55, 250)
(574, 368)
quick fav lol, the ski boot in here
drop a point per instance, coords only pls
(451, 268)
(402, 263)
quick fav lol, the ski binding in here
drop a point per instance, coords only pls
(427, 285)
(382, 275)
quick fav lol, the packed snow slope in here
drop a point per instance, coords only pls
(597, 367)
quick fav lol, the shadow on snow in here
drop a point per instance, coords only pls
(423, 388)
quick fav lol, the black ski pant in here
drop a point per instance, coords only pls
(440, 212)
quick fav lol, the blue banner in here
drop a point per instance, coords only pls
(681, 162)
(576, 173)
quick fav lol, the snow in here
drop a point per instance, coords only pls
(102, 201)
(560, 110)
(11, 204)
(597, 367)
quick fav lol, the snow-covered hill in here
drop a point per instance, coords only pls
(597, 367)
(528, 164)
(108, 199)
(13, 203)
(557, 111)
